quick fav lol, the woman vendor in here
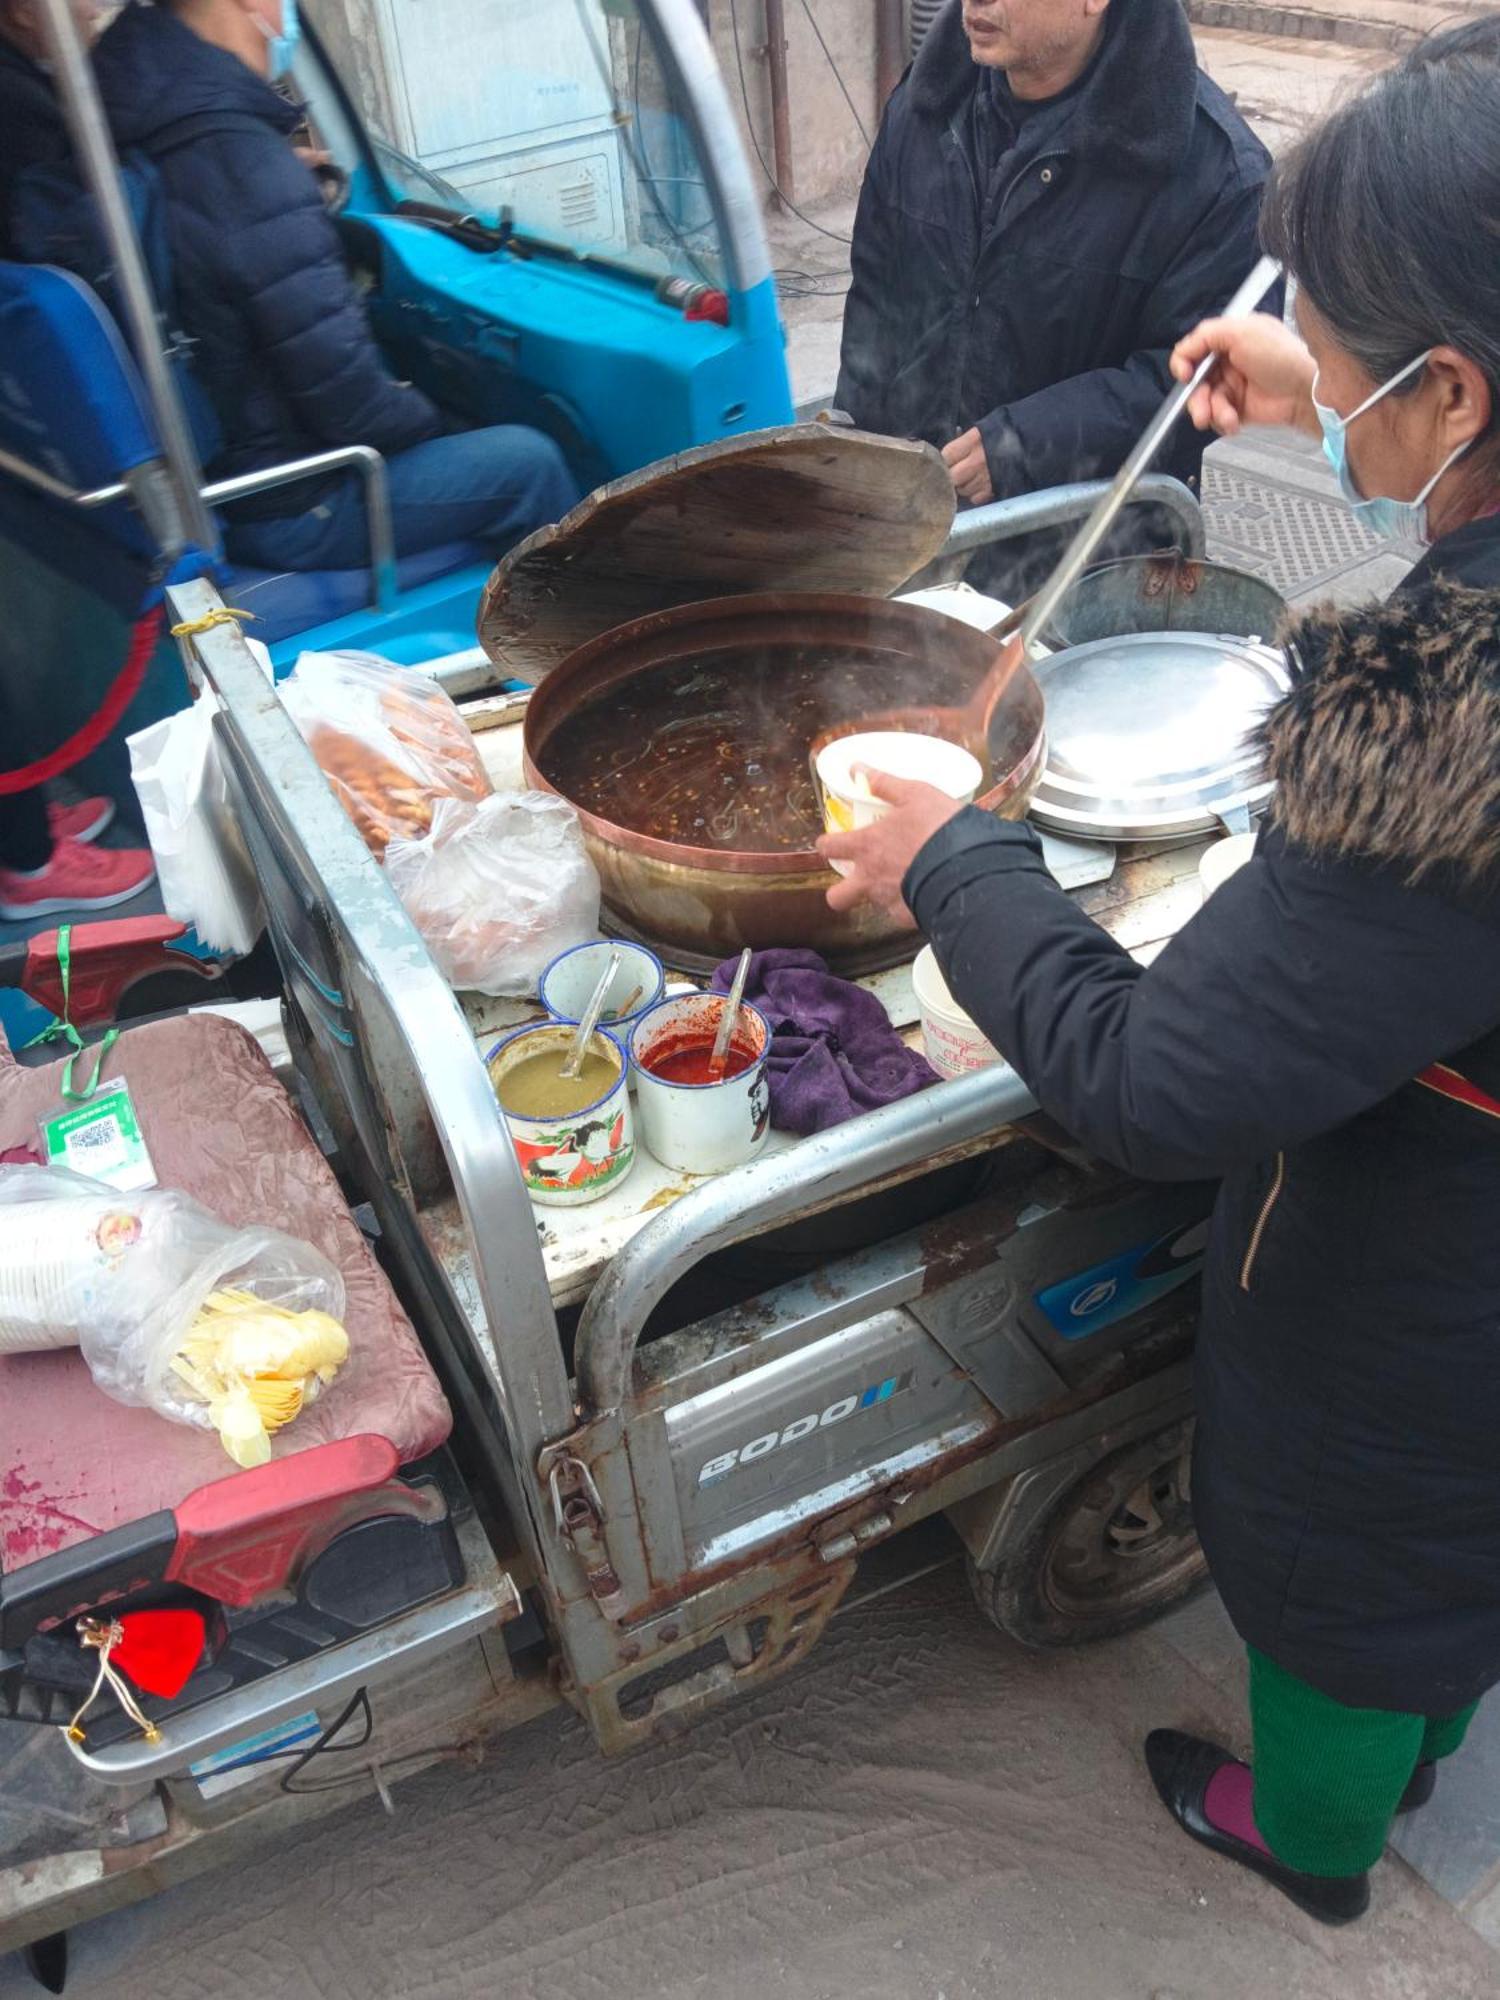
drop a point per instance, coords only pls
(1326, 1034)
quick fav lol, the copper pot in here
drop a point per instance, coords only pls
(712, 902)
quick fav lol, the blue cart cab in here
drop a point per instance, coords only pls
(626, 348)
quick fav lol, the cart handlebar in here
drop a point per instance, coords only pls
(817, 1173)
(1055, 506)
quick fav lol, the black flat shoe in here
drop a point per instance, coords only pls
(1181, 1768)
(1420, 1788)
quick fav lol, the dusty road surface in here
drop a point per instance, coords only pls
(923, 1812)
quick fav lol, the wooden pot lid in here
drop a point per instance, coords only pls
(807, 507)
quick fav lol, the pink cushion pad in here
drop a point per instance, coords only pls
(221, 1128)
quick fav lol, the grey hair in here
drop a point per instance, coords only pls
(1388, 213)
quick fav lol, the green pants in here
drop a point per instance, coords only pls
(1328, 1779)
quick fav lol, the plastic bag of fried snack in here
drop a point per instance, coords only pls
(388, 740)
(498, 890)
(254, 1366)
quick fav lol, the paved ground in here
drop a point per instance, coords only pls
(922, 1812)
(1372, 24)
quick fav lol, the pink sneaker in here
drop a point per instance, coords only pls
(84, 819)
(77, 877)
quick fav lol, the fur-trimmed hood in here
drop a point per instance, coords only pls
(1142, 95)
(1387, 748)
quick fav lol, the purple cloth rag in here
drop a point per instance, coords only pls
(833, 1052)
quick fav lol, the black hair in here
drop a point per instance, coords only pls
(1388, 213)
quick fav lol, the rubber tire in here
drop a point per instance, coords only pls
(47, 1961)
(1015, 1597)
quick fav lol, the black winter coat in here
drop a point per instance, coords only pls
(1325, 1036)
(32, 132)
(283, 349)
(1043, 307)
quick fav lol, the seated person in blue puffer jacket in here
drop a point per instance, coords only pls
(282, 344)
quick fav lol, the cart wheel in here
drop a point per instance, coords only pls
(1116, 1551)
(47, 1961)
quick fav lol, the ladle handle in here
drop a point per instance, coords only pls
(1097, 526)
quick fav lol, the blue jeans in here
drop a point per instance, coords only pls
(492, 486)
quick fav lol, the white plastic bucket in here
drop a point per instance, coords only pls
(579, 1156)
(701, 1128)
(952, 1043)
(849, 803)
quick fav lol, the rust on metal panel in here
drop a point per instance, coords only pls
(731, 1335)
(757, 1644)
(787, 1553)
(793, 1552)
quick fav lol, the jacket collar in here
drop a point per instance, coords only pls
(1387, 748)
(1137, 109)
(154, 72)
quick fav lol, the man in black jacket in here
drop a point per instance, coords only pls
(1056, 195)
(283, 346)
(32, 132)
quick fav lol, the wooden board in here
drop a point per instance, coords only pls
(803, 508)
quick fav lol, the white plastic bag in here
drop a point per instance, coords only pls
(497, 890)
(389, 741)
(205, 872)
(124, 1277)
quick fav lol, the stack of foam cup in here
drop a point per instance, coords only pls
(54, 1256)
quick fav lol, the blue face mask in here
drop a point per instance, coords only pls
(284, 45)
(1396, 520)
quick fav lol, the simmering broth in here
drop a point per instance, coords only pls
(713, 753)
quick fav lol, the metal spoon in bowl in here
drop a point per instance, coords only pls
(719, 1056)
(590, 1019)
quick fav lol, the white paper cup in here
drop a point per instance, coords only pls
(953, 1044)
(582, 1155)
(848, 802)
(701, 1128)
(1223, 859)
(56, 1257)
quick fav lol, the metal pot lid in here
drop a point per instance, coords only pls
(1147, 734)
(803, 508)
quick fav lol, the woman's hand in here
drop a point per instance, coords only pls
(881, 854)
(1265, 375)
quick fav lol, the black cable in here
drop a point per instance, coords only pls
(838, 76)
(327, 1747)
(682, 230)
(324, 1746)
(811, 284)
(739, 63)
(625, 126)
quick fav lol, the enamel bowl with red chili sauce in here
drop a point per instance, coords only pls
(693, 1120)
